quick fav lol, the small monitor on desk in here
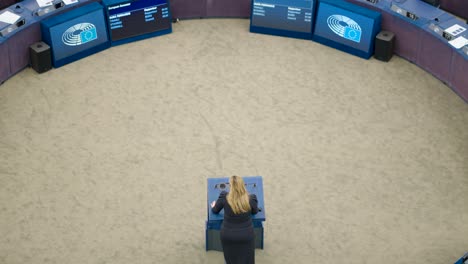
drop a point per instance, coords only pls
(137, 19)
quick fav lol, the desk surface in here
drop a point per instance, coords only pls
(420, 8)
(24, 15)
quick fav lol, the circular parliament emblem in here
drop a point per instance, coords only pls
(79, 34)
(345, 27)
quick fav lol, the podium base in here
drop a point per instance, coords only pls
(213, 238)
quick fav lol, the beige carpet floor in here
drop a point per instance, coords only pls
(105, 160)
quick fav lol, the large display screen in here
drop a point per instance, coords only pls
(344, 27)
(283, 16)
(137, 18)
(78, 35)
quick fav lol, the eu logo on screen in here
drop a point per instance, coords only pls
(352, 34)
(345, 27)
(88, 35)
(79, 34)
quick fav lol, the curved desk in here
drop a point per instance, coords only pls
(416, 40)
(15, 39)
(18, 41)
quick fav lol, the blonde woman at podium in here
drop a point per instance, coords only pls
(237, 232)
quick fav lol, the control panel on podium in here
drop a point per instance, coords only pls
(254, 185)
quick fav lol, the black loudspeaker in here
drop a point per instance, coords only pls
(433, 2)
(384, 43)
(40, 56)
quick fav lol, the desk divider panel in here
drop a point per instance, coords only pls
(435, 53)
(5, 71)
(435, 56)
(228, 8)
(459, 71)
(183, 9)
(187, 9)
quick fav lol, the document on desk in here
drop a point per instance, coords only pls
(455, 30)
(459, 42)
(43, 3)
(9, 17)
(69, 2)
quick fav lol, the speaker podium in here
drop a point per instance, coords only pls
(463, 259)
(254, 185)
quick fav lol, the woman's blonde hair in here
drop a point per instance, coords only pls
(238, 198)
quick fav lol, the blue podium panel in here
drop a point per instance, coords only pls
(5, 70)
(137, 19)
(463, 259)
(253, 184)
(76, 34)
(288, 18)
(347, 27)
